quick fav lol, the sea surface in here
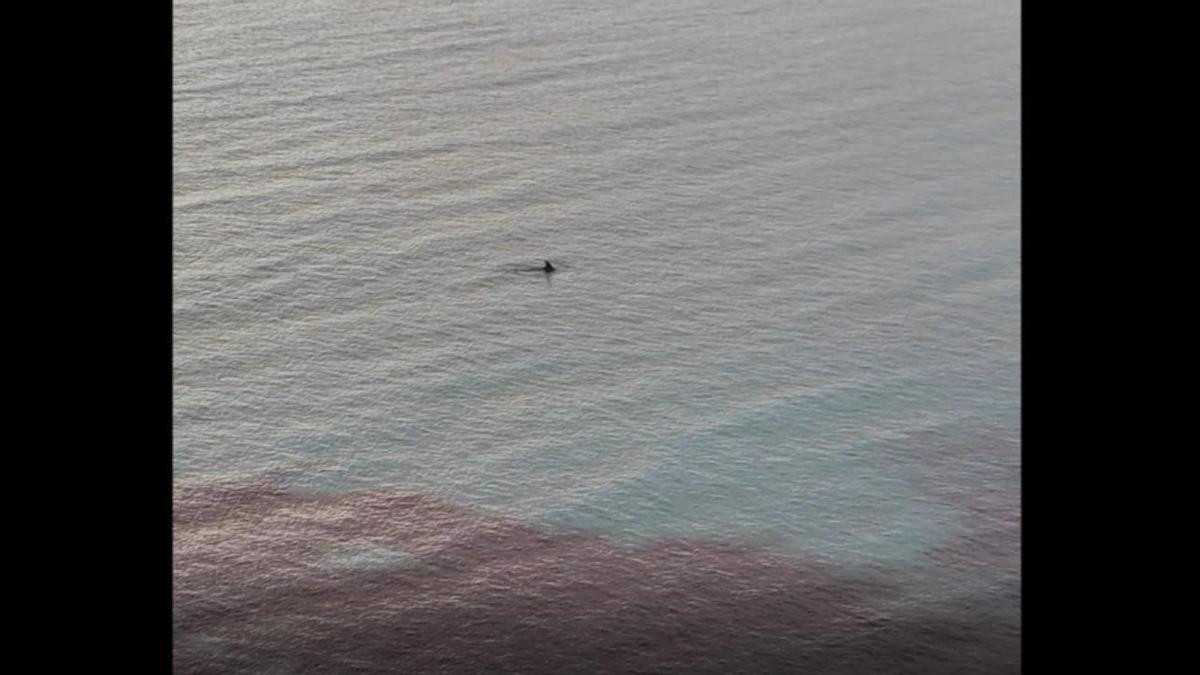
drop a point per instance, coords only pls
(764, 416)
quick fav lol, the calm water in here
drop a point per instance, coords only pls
(776, 377)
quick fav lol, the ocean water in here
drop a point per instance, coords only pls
(765, 416)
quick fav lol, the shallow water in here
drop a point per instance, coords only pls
(785, 317)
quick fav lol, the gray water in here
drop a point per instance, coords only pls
(788, 297)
